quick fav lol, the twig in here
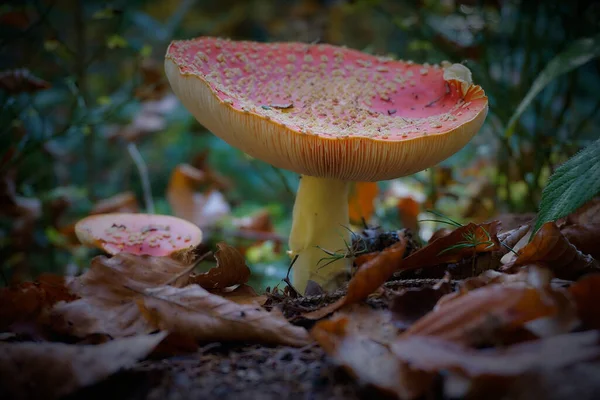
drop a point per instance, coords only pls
(287, 278)
(143, 170)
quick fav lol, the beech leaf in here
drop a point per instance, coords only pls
(195, 312)
(108, 290)
(53, 370)
(231, 270)
(550, 247)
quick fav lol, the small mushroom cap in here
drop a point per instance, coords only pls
(141, 234)
(327, 111)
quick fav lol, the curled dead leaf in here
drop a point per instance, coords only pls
(487, 314)
(461, 243)
(231, 270)
(551, 247)
(108, 291)
(195, 312)
(53, 370)
(371, 275)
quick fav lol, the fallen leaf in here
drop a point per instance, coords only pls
(371, 275)
(53, 370)
(21, 80)
(231, 270)
(584, 237)
(361, 201)
(26, 305)
(259, 222)
(369, 361)
(433, 354)
(586, 294)
(589, 213)
(108, 291)
(552, 248)
(410, 304)
(408, 211)
(484, 315)
(203, 209)
(195, 312)
(463, 242)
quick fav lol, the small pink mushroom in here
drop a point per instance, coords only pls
(332, 114)
(141, 234)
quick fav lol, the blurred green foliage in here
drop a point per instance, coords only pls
(65, 147)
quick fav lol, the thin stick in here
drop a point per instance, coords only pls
(143, 171)
(189, 269)
(287, 278)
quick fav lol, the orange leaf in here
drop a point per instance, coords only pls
(408, 211)
(480, 315)
(551, 247)
(463, 242)
(586, 294)
(371, 275)
(203, 209)
(231, 270)
(375, 272)
(360, 203)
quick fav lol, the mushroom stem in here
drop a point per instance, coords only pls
(320, 219)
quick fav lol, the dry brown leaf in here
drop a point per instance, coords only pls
(203, 209)
(463, 242)
(231, 270)
(207, 317)
(584, 237)
(432, 354)
(589, 213)
(369, 361)
(549, 246)
(53, 370)
(371, 275)
(257, 224)
(486, 314)
(25, 306)
(586, 294)
(361, 201)
(410, 304)
(108, 291)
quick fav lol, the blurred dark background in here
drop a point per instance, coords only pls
(88, 123)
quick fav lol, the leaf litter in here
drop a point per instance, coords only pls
(499, 323)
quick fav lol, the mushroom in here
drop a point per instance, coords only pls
(331, 114)
(141, 234)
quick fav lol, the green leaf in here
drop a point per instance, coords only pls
(573, 184)
(579, 52)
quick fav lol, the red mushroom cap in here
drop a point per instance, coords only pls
(141, 234)
(327, 111)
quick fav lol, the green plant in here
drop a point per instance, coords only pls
(573, 184)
